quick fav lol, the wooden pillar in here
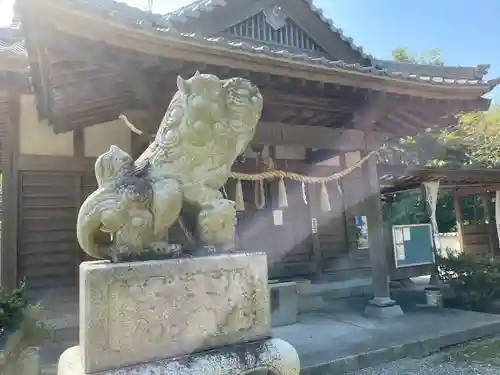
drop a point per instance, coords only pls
(434, 280)
(381, 305)
(78, 143)
(458, 219)
(10, 192)
(485, 199)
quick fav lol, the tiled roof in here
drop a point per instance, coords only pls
(193, 10)
(196, 9)
(138, 18)
(16, 48)
(272, 51)
(11, 40)
(475, 72)
(141, 19)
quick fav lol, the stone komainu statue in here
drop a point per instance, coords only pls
(208, 123)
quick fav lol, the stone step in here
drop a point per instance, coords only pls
(338, 289)
(315, 296)
(49, 370)
(64, 328)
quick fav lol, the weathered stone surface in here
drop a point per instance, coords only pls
(274, 355)
(143, 311)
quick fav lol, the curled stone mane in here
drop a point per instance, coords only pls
(243, 102)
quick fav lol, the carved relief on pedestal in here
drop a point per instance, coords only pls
(194, 307)
(143, 311)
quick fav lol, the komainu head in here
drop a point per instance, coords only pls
(244, 104)
(112, 165)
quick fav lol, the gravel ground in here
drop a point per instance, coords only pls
(480, 357)
(428, 367)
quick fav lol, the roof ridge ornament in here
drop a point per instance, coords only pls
(275, 16)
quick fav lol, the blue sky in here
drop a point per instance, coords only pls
(467, 31)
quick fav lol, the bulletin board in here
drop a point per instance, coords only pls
(413, 245)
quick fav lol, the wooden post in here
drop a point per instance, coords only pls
(489, 223)
(381, 305)
(458, 218)
(10, 192)
(313, 197)
(78, 143)
(435, 271)
(349, 210)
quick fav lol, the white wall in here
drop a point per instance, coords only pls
(99, 137)
(38, 138)
(449, 241)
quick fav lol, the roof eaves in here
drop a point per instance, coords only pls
(135, 18)
(272, 51)
(492, 83)
(459, 72)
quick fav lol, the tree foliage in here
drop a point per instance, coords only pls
(429, 57)
(474, 141)
(477, 136)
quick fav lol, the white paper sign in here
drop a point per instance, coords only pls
(406, 234)
(362, 225)
(398, 235)
(400, 252)
(431, 193)
(314, 225)
(278, 217)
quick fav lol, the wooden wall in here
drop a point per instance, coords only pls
(48, 252)
(338, 232)
(476, 239)
(288, 246)
(52, 174)
(4, 122)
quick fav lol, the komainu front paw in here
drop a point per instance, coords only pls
(216, 224)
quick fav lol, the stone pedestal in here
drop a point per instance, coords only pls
(383, 308)
(274, 355)
(166, 315)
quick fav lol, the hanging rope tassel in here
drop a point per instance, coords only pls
(260, 197)
(304, 194)
(282, 198)
(270, 164)
(325, 199)
(339, 188)
(238, 197)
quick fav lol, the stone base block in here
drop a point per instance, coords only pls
(284, 303)
(140, 312)
(383, 312)
(310, 303)
(273, 355)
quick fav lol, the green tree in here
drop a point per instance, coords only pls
(429, 57)
(477, 136)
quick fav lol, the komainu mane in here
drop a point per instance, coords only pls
(208, 123)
